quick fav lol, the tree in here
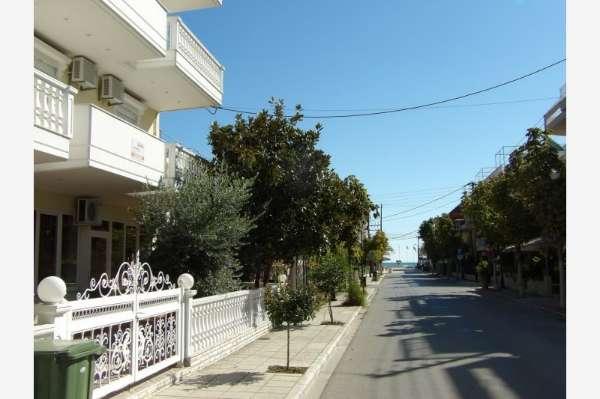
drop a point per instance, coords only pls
(515, 220)
(302, 207)
(289, 306)
(375, 249)
(426, 234)
(198, 227)
(328, 275)
(478, 206)
(288, 171)
(344, 208)
(539, 178)
(440, 238)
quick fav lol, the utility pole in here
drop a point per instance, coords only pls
(380, 217)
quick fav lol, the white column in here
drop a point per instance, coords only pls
(54, 309)
(186, 282)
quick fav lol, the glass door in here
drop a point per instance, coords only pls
(99, 254)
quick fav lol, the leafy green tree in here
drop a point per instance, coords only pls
(440, 239)
(198, 227)
(516, 221)
(289, 306)
(426, 234)
(538, 175)
(375, 249)
(328, 276)
(288, 171)
(478, 206)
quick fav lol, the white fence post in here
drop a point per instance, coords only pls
(186, 282)
(54, 309)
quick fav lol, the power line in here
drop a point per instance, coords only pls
(416, 193)
(427, 203)
(524, 100)
(402, 239)
(427, 105)
(428, 210)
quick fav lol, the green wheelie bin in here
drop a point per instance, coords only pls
(64, 369)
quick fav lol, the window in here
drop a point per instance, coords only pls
(48, 240)
(68, 269)
(45, 65)
(131, 243)
(118, 246)
(127, 112)
(130, 110)
(48, 59)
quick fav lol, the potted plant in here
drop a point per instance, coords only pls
(483, 271)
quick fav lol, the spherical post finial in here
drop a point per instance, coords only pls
(52, 289)
(186, 281)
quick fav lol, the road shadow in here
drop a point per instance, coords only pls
(486, 346)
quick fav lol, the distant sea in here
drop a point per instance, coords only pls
(389, 265)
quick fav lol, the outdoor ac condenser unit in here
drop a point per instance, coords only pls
(112, 89)
(87, 211)
(84, 72)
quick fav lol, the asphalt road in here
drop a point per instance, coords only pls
(429, 338)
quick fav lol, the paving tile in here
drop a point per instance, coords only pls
(243, 375)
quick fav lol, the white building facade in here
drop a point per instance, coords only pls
(104, 70)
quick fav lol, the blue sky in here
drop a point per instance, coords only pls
(350, 54)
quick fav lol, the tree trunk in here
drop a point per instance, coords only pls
(494, 276)
(330, 312)
(520, 282)
(287, 364)
(257, 279)
(501, 275)
(562, 278)
(547, 274)
(267, 272)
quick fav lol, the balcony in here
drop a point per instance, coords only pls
(555, 119)
(177, 160)
(107, 155)
(186, 5)
(189, 76)
(52, 118)
(129, 29)
(157, 57)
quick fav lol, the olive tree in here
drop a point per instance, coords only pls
(289, 306)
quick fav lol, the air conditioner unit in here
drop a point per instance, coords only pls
(87, 211)
(112, 89)
(84, 72)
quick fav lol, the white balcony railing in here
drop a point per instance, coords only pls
(185, 42)
(53, 104)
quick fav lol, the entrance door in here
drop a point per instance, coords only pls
(99, 254)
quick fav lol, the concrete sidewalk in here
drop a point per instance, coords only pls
(244, 373)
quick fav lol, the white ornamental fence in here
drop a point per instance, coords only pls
(147, 324)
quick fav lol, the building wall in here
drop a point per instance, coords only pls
(48, 55)
(111, 209)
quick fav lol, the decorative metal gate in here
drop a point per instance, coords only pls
(137, 317)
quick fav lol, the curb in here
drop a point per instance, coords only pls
(303, 386)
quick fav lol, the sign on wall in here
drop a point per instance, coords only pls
(137, 150)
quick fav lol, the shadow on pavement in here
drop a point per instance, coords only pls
(488, 348)
(213, 380)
